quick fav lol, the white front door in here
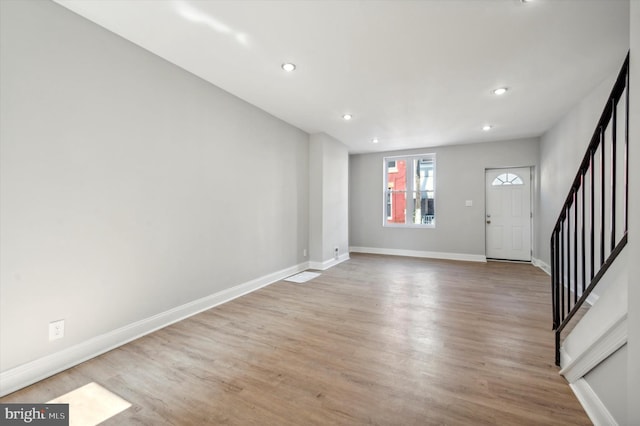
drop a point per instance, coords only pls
(508, 213)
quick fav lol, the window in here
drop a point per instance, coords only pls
(409, 191)
(507, 179)
(389, 205)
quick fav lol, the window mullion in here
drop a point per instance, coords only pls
(410, 178)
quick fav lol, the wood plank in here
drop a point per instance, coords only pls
(375, 340)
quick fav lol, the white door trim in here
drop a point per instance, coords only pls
(532, 207)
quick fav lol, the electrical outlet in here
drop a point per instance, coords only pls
(304, 252)
(336, 252)
(56, 330)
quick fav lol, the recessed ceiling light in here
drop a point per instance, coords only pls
(288, 67)
(347, 117)
(500, 91)
(487, 127)
(374, 140)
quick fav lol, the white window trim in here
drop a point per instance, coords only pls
(507, 182)
(410, 189)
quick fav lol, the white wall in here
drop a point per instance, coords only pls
(329, 203)
(605, 382)
(129, 186)
(460, 172)
(594, 354)
(633, 345)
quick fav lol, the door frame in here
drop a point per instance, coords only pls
(532, 191)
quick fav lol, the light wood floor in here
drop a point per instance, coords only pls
(375, 340)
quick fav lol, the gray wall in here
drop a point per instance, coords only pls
(460, 174)
(316, 149)
(561, 151)
(329, 203)
(128, 186)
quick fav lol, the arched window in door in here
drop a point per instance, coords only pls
(507, 179)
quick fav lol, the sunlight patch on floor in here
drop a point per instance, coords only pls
(91, 404)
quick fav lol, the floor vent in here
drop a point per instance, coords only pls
(302, 277)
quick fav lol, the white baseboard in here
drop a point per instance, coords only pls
(565, 359)
(575, 366)
(39, 369)
(418, 253)
(322, 266)
(542, 265)
(592, 405)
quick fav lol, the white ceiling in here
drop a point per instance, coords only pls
(412, 73)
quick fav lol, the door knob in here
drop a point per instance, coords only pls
(488, 221)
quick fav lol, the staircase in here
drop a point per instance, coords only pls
(591, 230)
